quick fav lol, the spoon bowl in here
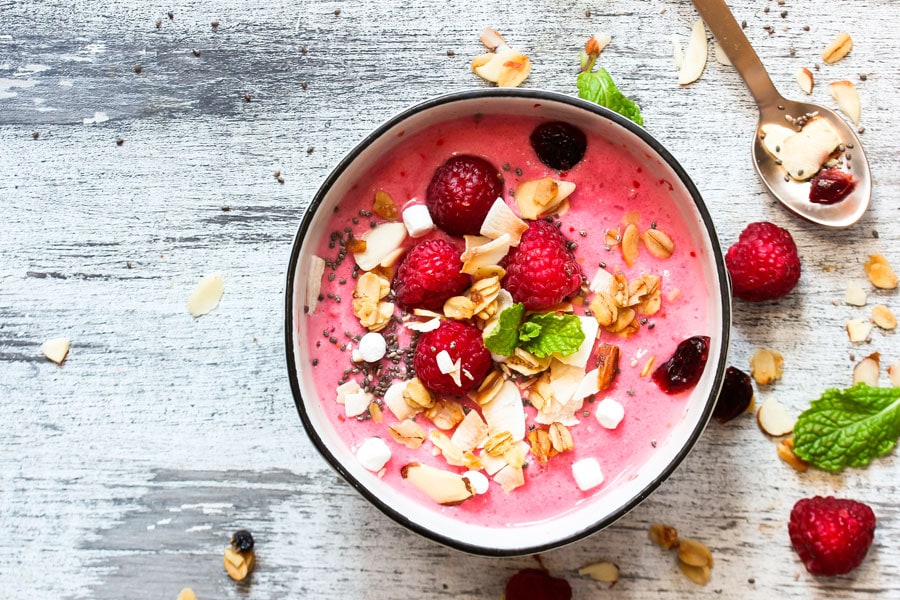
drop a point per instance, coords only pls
(774, 109)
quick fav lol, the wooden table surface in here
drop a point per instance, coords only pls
(124, 471)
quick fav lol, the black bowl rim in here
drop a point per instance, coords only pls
(725, 293)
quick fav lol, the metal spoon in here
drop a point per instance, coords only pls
(775, 109)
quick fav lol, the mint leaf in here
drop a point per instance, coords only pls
(559, 334)
(504, 338)
(599, 87)
(528, 331)
(848, 428)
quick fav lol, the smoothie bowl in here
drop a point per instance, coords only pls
(507, 318)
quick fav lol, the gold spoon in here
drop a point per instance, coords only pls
(774, 109)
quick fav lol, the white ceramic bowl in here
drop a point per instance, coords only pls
(594, 513)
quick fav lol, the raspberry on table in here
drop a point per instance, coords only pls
(763, 263)
(462, 342)
(541, 271)
(461, 193)
(429, 274)
(831, 535)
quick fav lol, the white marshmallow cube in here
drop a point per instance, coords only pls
(587, 473)
(417, 220)
(373, 454)
(609, 413)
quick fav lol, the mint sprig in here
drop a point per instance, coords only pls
(848, 428)
(599, 87)
(539, 334)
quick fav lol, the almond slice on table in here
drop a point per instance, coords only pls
(858, 330)
(868, 370)
(444, 487)
(766, 366)
(604, 572)
(503, 65)
(838, 48)
(804, 79)
(56, 349)
(847, 98)
(785, 451)
(719, 53)
(855, 295)
(880, 273)
(774, 419)
(695, 55)
(206, 295)
(884, 317)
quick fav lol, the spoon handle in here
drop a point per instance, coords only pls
(737, 47)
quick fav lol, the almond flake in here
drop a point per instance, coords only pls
(206, 295)
(459, 307)
(838, 48)
(699, 575)
(604, 572)
(664, 536)
(847, 98)
(485, 255)
(803, 153)
(868, 370)
(883, 317)
(56, 349)
(880, 272)
(774, 419)
(444, 487)
(630, 249)
(380, 242)
(409, 433)
(503, 65)
(694, 553)
(855, 295)
(510, 478)
(695, 55)
(804, 79)
(445, 414)
(785, 450)
(719, 53)
(539, 197)
(766, 366)
(416, 394)
(858, 330)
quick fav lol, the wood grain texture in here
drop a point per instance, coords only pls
(124, 471)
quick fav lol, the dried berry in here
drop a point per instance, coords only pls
(734, 397)
(559, 145)
(683, 370)
(830, 186)
(242, 540)
(536, 584)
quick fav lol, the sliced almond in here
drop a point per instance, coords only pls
(56, 349)
(380, 242)
(699, 575)
(803, 153)
(539, 197)
(314, 282)
(894, 373)
(206, 295)
(694, 553)
(607, 365)
(847, 98)
(238, 564)
(855, 295)
(604, 572)
(719, 53)
(630, 249)
(785, 450)
(774, 419)
(445, 414)
(838, 48)
(502, 220)
(444, 487)
(868, 370)
(804, 79)
(664, 536)
(506, 68)
(695, 55)
(658, 242)
(884, 317)
(409, 433)
(417, 395)
(766, 366)
(459, 307)
(880, 273)
(485, 255)
(858, 330)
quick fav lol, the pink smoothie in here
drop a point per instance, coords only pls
(610, 183)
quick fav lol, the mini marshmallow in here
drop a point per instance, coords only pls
(417, 220)
(609, 413)
(373, 453)
(372, 347)
(587, 473)
(478, 480)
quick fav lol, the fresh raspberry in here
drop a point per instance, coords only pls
(535, 584)
(429, 274)
(461, 193)
(541, 271)
(831, 535)
(763, 264)
(462, 342)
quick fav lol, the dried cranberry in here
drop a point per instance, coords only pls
(242, 540)
(535, 584)
(683, 370)
(559, 145)
(830, 186)
(735, 396)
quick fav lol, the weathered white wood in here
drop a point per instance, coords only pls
(124, 471)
